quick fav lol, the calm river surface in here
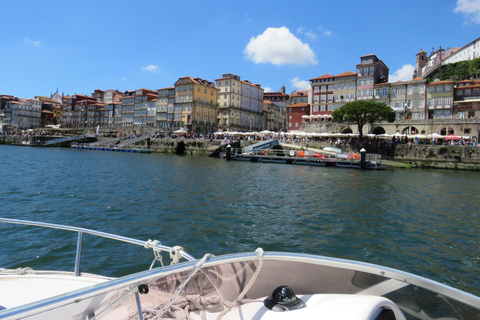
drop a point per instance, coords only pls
(421, 221)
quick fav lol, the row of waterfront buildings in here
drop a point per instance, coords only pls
(233, 104)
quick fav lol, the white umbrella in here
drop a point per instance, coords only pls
(419, 136)
(434, 136)
(180, 131)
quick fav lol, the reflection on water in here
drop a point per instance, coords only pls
(421, 221)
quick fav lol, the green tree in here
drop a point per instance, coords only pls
(362, 112)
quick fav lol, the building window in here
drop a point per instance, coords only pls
(460, 92)
(447, 101)
(431, 89)
(439, 89)
(422, 89)
(315, 108)
(461, 115)
(447, 113)
(448, 88)
(439, 102)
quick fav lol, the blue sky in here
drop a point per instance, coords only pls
(80, 46)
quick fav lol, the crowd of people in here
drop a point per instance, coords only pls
(227, 137)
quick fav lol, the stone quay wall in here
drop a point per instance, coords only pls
(440, 156)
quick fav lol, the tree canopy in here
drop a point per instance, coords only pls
(362, 112)
(461, 70)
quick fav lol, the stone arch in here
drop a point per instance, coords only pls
(447, 131)
(378, 130)
(347, 130)
(410, 130)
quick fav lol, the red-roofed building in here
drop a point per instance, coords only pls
(322, 95)
(195, 105)
(370, 71)
(467, 104)
(295, 113)
(145, 107)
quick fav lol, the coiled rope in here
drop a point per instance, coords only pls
(194, 296)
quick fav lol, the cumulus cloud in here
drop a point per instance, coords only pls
(279, 46)
(267, 89)
(405, 73)
(151, 68)
(300, 84)
(471, 8)
(33, 43)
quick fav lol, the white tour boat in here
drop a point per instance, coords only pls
(255, 285)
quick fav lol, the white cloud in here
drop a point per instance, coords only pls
(327, 33)
(33, 43)
(279, 46)
(267, 89)
(405, 73)
(308, 33)
(300, 84)
(470, 8)
(151, 68)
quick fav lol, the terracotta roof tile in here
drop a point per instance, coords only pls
(325, 76)
(300, 104)
(348, 73)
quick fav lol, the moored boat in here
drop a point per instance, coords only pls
(254, 285)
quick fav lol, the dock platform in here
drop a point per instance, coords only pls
(372, 161)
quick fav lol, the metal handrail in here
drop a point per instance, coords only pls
(146, 244)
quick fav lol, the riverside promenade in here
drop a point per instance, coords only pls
(401, 155)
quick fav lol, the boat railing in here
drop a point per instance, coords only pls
(155, 245)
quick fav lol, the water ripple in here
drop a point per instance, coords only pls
(421, 221)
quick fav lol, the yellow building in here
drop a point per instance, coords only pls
(195, 107)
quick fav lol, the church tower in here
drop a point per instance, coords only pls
(420, 63)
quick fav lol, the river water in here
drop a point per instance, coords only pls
(421, 221)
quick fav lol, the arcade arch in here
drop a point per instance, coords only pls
(447, 131)
(410, 130)
(378, 130)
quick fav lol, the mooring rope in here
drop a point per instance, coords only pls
(194, 296)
